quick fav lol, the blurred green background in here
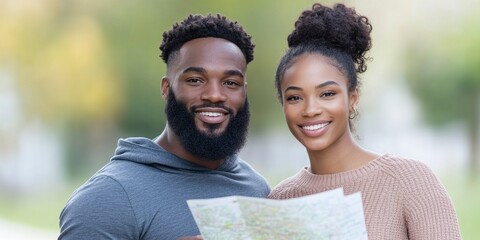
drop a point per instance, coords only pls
(77, 75)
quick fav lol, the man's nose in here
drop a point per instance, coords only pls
(214, 92)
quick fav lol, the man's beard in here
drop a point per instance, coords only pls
(207, 146)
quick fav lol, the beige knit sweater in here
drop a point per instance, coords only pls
(402, 198)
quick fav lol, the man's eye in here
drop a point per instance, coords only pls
(231, 83)
(194, 80)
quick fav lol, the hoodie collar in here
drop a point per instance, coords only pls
(145, 151)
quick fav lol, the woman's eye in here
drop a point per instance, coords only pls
(293, 98)
(327, 94)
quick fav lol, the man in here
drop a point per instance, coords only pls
(141, 193)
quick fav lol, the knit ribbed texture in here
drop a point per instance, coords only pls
(402, 198)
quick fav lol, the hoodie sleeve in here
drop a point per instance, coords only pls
(99, 210)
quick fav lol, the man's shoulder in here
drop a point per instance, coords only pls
(94, 207)
(101, 189)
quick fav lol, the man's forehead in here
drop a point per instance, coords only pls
(209, 53)
(211, 46)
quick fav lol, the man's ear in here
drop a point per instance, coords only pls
(165, 85)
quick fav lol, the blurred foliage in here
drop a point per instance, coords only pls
(444, 75)
(59, 63)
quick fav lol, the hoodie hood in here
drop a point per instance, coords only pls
(144, 151)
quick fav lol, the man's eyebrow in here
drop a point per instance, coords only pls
(234, 73)
(203, 70)
(195, 69)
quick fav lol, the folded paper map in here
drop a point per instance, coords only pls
(326, 215)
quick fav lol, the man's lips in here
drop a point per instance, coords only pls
(212, 115)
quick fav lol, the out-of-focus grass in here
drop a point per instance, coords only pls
(466, 198)
(43, 211)
(40, 211)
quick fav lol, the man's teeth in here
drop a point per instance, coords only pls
(315, 127)
(211, 114)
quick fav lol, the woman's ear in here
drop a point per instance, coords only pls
(164, 87)
(353, 100)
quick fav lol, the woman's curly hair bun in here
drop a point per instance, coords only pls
(339, 27)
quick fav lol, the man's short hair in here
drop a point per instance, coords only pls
(199, 26)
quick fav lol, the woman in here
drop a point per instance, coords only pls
(317, 86)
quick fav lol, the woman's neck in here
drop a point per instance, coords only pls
(341, 156)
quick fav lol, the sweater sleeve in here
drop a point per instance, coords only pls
(99, 210)
(429, 211)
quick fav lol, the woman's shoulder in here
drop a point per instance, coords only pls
(412, 174)
(397, 165)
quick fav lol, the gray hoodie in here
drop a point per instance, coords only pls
(141, 194)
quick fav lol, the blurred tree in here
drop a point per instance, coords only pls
(62, 73)
(445, 76)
